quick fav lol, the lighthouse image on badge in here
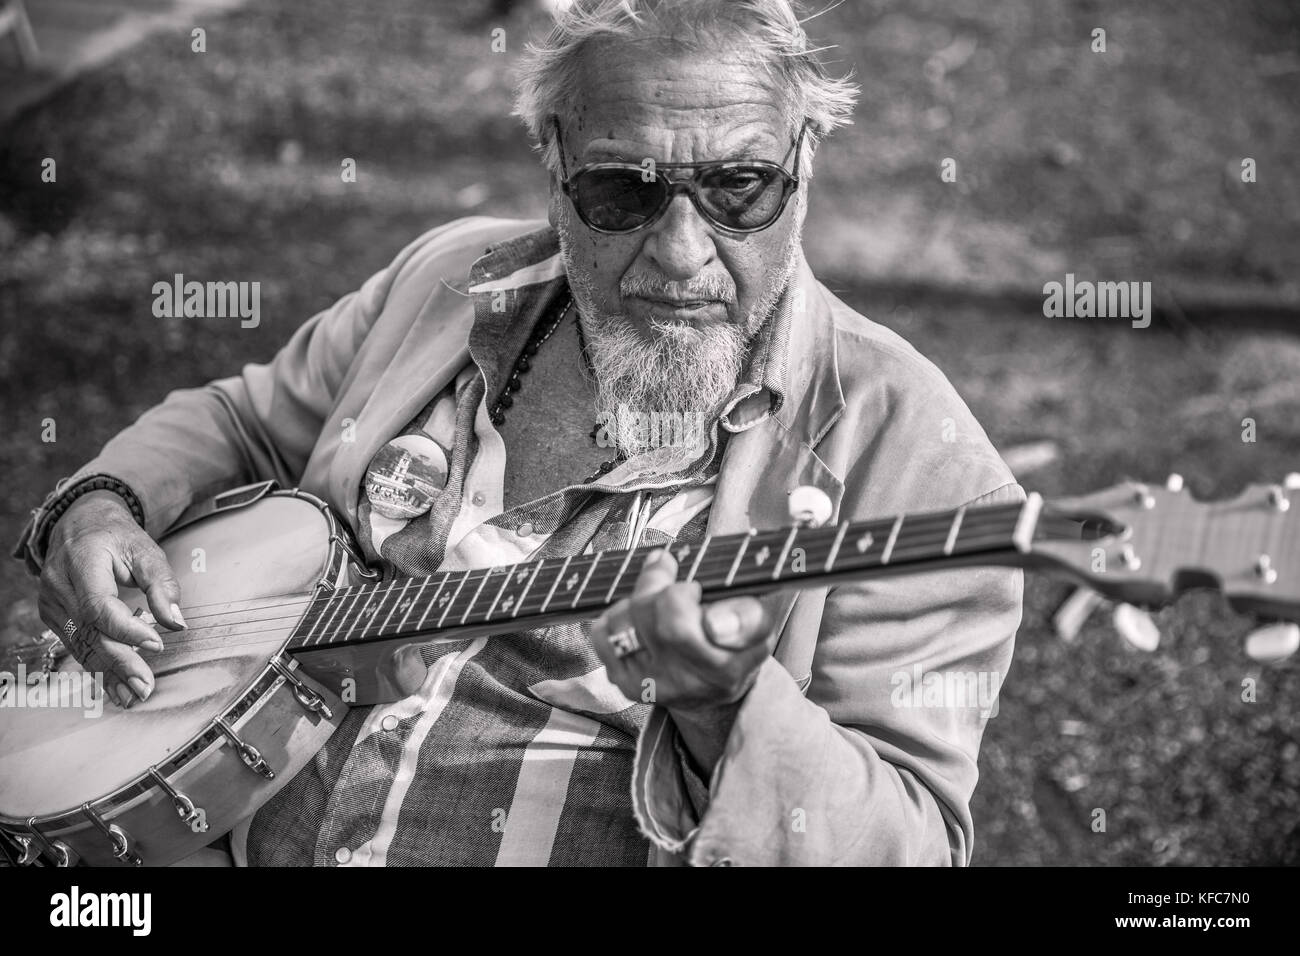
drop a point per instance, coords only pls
(405, 475)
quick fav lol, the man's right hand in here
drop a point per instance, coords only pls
(94, 547)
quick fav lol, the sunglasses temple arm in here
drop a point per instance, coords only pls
(559, 148)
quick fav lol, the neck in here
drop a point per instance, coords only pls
(454, 605)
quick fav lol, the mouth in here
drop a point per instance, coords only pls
(682, 309)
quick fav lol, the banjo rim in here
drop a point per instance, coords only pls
(45, 829)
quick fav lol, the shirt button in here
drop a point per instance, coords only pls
(525, 529)
(389, 722)
(478, 499)
(343, 854)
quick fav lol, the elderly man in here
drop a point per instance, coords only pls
(669, 287)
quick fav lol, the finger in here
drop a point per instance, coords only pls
(57, 595)
(671, 620)
(612, 621)
(127, 675)
(657, 572)
(97, 603)
(737, 623)
(52, 612)
(153, 575)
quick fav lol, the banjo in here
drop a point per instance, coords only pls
(288, 628)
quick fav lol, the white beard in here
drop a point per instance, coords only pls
(682, 373)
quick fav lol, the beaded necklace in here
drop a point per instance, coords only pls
(506, 398)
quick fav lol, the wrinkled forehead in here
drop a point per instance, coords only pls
(670, 102)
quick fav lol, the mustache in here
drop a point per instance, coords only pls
(716, 287)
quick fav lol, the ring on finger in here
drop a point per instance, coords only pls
(625, 642)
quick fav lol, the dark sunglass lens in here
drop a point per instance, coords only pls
(617, 199)
(743, 197)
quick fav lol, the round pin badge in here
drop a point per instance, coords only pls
(405, 475)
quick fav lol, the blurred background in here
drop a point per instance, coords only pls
(1117, 165)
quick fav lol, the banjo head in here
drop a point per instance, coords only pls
(246, 577)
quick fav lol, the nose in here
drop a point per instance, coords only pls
(680, 244)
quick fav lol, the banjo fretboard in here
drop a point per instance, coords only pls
(522, 596)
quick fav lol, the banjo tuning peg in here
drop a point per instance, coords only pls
(1273, 642)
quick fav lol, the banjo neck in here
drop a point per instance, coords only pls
(454, 605)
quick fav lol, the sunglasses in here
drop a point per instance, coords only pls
(735, 195)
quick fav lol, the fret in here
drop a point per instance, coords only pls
(835, 545)
(785, 552)
(893, 537)
(524, 593)
(341, 627)
(415, 602)
(577, 597)
(952, 532)
(321, 605)
(554, 584)
(370, 610)
(396, 604)
(740, 554)
(699, 555)
(469, 607)
(452, 600)
(343, 597)
(432, 599)
(504, 581)
(609, 595)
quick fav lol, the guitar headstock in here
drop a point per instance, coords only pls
(1145, 544)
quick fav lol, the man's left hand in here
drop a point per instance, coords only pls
(698, 663)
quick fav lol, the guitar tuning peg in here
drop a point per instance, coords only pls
(1273, 643)
(1174, 482)
(809, 506)
(1136, 627)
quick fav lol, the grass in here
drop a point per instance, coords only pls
(226, 165)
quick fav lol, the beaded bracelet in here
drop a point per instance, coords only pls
(67, 496)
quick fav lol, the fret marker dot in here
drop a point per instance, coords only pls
(683, 552)
(519, 578)
(762, 555)
(507, 604)
(865, 542)
(444, 599)
(572, 583)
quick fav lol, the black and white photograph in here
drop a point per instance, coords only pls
(641, 433)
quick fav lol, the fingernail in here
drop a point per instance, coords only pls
(141, 689)
(724, 626)
(121, 695)
(154, 645)
(176, 615)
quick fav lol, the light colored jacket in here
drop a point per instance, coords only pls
(827, 761)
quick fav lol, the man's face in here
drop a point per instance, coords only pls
(643, 101)
(671, 309)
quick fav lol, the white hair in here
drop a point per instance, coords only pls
(768, 33)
